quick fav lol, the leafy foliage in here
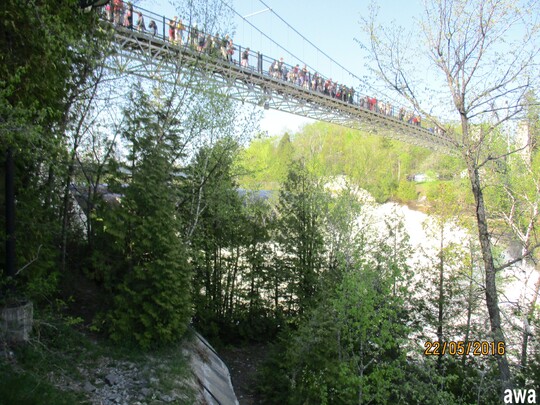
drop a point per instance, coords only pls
(218, 235)
(24, 388)
(152, 305)
(351, 346)
(58, 42)
(379, 165)
(302, 209)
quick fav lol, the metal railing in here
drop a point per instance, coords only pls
(151, 24)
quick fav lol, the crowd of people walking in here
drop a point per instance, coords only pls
(180, 34)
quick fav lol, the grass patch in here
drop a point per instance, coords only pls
(56, 346)
(23, 388)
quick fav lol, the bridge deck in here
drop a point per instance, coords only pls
(153, 57)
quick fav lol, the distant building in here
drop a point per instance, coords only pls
(526, 139)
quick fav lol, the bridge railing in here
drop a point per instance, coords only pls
(151, 24)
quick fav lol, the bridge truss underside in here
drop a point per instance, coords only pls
(142, 55)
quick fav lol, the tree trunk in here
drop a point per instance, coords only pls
(492, 301)
(526, 319)
(232, 284)
(65, 207)
(469, 303)
(441, 295)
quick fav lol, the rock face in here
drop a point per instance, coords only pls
(16, 322)
(212, 374)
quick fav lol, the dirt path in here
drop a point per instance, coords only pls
(243, 363)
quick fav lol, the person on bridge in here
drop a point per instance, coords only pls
(109, 12)
(282, 69)
(128, 20)
(401, 115)
(194, 37)
(319, 83)
(201, 41)
(179, 32)
(118, 8)
(172, 29)
(245, 57)
(140, 22)
(273, 69)
(302, 76)
(327, 85)
(409, 117)
(293, 74)
(372, 103)
(332, 88)
(223, 46)
(230, 50)
(153, 27)
(210, 45)
(285, 72)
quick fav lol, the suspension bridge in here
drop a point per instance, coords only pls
(152, 54)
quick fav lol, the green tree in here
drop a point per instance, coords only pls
(152, 305)
(351, 346)
(301, 210)
(257, 161)
(41, 40)
(219, 236)
(254, 308)
(281, 157)
(462, 42)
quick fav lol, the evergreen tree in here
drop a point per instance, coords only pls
(152, 305)
(284, 155)
(302, 209)
(258, 286)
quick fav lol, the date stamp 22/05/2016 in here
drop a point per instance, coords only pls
(460, 348)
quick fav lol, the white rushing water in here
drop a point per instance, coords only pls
(515, 283)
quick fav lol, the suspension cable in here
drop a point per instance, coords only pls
(328, 56)
(396, 103)
(267, 37)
